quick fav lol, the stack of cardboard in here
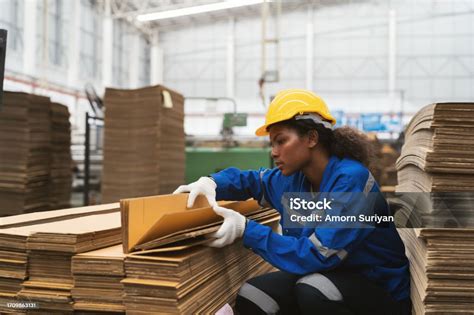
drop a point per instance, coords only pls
(61, 160)
(143, 142)
(437, 158)
(14, 234)
(25, 149)
(35, 159)
(197, 280)
(13, 264)
(169, 271)
(442, 269)
(54, 244)
(436, 169)
(97, 280)
(438, 150)
(65, 260)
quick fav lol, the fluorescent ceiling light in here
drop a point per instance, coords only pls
(229, 4)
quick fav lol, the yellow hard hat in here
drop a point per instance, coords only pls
(291, 102)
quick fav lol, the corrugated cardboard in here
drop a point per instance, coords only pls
(198, 280)
(144, 143)
(97, 275)
(148, 218)
(196, 235)
(35, 154)
(78, 233)
(55, 215)
(437, 157)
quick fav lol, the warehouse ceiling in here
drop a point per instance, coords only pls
(130, 9)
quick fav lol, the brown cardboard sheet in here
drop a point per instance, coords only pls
(202, 230)
(55, 215)
(148, 218)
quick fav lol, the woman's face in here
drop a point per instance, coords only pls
(290, 151)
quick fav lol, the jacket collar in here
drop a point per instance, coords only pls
(328, 171)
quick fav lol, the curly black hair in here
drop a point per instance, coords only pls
(344, 142)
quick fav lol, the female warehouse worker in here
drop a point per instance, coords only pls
(322, 271)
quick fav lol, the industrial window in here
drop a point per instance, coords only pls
(52, 32)
(11, 19)
(121, 53)
(90, 41)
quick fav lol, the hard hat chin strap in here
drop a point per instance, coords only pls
(316, 118)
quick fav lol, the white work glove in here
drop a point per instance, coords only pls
(232, 228)
(203, 186)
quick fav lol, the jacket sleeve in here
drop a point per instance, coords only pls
(235, 184)
(323, 249)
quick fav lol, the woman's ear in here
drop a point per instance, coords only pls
(313, 138)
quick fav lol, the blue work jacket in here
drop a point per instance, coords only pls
(377, 253)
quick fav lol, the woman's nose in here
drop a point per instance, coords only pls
(274, 153)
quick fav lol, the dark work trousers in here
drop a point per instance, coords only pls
(331, 292)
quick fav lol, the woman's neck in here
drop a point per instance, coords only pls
(315, 169)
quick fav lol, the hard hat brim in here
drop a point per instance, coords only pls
(262, 131)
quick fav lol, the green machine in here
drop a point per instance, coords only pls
(230, 121)
(205, 161)
(234, 120)
(202, 160)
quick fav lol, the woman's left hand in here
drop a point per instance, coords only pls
(232, 228)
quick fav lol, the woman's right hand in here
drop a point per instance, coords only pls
(203, 186)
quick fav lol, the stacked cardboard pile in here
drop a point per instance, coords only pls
(437, 158)
(197, 280)
(61, 160)
(13, 264)
(436, 166)
(35, 156)
(438, 150)
(442, 269)
(54, 244)
(171, 272)
(65, 260)
(14, 234)
(97, 275)
(143, 142)
(25, 149)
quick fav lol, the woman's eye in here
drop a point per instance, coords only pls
(277, 142)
